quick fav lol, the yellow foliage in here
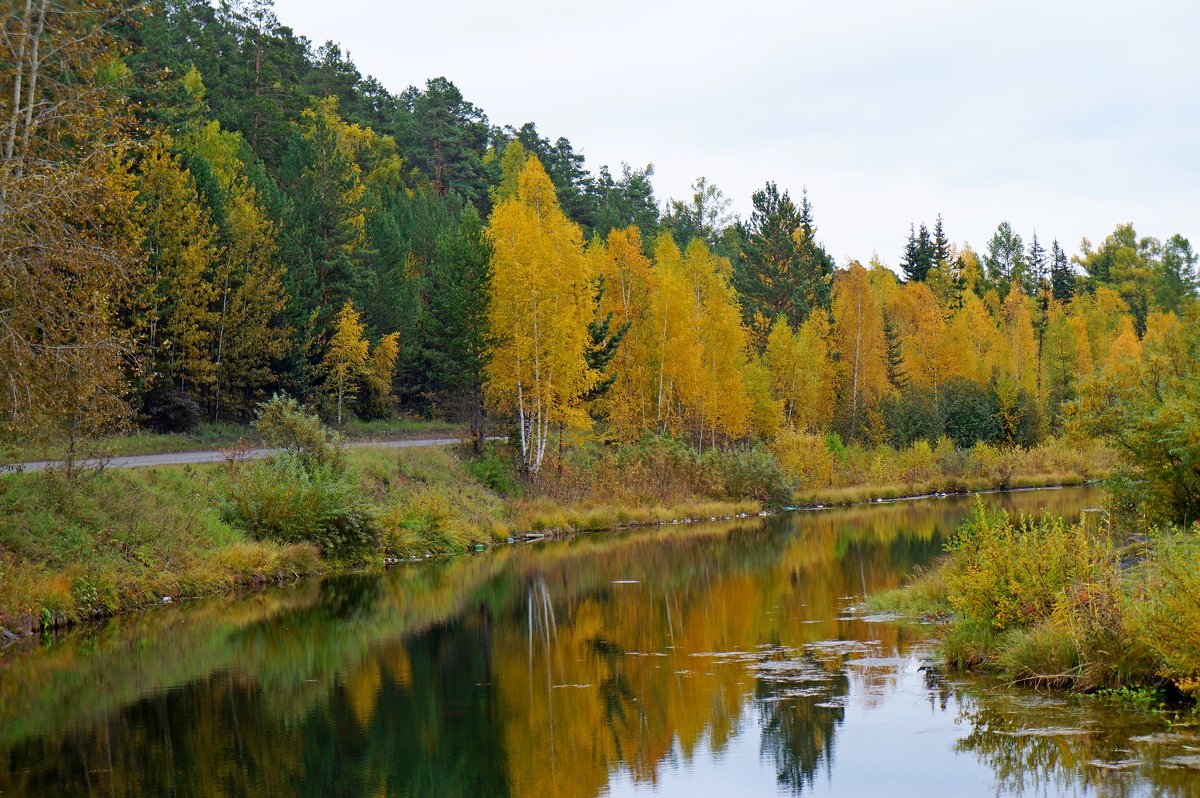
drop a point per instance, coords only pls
(629, 296)
(347, 355)
(540, 305)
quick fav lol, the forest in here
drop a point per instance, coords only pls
(200, 210)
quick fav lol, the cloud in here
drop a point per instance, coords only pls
(1065, 116)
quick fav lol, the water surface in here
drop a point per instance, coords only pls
(697, 660)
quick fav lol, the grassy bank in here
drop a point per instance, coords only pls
(120, 539)
(831, 474)
(100, 543)
(1057, 604)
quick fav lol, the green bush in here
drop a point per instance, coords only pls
(1003, 574)
(495, 472)
(286, 500)
(753, 473)
(425, 521)
(1165, 607)
(969, 412)
(283, 423)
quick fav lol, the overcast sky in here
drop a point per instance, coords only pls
(1064, 117)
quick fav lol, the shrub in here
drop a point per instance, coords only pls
(969, 412)
(285, 424)
(286, 500)
(912, 415)
(1003, 574)
(172, 410)
(495, 472)
(425, 521)
(805, 459)
(1165, 609)
(753, 473)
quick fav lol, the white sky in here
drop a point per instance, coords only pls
(1064, 117)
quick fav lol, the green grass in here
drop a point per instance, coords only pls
(117, 540)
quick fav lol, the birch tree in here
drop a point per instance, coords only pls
(540, 302)
(859, 342)
(346, 359)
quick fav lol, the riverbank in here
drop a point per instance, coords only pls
(111, 541)
(1057, 604)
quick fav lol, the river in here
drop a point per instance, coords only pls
(728, 659)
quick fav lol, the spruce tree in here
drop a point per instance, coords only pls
(895, 358)
(1035, 275)
(910, 262)
(1062, 276)
(603, 345)
(941, 244)
(919, 255)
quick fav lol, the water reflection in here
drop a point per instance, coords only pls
(684, 660)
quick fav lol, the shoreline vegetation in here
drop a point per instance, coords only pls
(83, 546)
(1057, 604)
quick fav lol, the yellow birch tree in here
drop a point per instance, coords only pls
(540, 303)
(346, 358)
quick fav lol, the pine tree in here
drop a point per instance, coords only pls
(1036, 272)
(324, 232)
(455, 331)
(1005, 259)
(781, 269)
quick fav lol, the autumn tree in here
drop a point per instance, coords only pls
(798, 363)
(250, 337)
(379, 370)
(859, 343)
(629, 296)
(346, 356)
(181, 322)
(70, 258)
(540, 303)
